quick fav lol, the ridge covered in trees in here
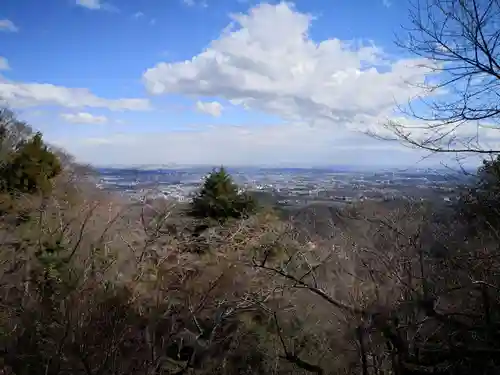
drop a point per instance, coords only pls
(92, 284)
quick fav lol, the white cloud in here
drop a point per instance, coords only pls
(387, 3)
(17, 94)
(90, 4)
(4, 63)
(84, 118)
(189, 3)
(211, 108)
(469, 135)
(142, 16)
(96, 5)
(265, 60)
(279, 144)
(8, 25)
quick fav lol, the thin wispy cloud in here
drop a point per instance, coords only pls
(4, 63)
(8, 26)
(21, 94)
(211, 108)
(96, 5)
(84, 118)
(195, 3)
(90, 4)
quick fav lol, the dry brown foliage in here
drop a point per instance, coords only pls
(91, 283)
(94, 284)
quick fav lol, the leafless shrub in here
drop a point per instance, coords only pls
(405, 292)
(93, 284)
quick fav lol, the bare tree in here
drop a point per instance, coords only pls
(458, 41)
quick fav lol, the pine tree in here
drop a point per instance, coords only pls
(29, 168)
(12, 133)
(219, 198)
(480, 205)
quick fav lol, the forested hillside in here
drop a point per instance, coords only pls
(226, 283)
(93, 284)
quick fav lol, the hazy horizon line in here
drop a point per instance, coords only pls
(273, 166)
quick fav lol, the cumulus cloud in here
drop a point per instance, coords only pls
(84, 118)
(265, 60)
(36, 94)
(8, 26)
(211, 108)
(4, 63)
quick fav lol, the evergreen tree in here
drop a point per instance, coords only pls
(12, 133)
(481, 204)
(220, 199)
(29, 167)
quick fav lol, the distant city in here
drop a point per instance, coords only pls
(292, 186)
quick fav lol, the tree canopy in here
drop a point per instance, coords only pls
(219, 198)
(27, 165)
(481, 204)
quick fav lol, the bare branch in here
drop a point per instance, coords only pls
(459, 42)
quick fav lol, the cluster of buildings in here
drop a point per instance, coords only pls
(290, 186)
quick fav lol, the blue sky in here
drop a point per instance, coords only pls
(234, 82)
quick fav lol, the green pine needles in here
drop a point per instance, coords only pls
(26, 163)
(220, 199)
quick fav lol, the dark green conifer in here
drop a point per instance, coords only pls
(219, 198)
(27, 165)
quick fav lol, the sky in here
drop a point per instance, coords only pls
(233, 82)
